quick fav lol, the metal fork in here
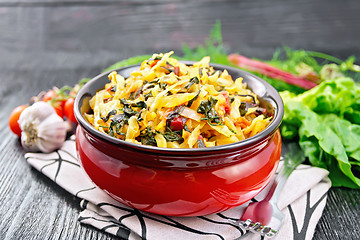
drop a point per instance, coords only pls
(265, 217)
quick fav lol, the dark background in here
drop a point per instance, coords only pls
(56, 43)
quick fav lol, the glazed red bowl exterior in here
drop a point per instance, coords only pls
(180, 182)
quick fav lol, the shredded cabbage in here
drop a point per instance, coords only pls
(169, 104)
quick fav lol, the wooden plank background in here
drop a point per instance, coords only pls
(46, 43)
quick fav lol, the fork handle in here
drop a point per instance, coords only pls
(279, 182)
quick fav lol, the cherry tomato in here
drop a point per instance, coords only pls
(49, 95)
(59, 109)
(14, 118)
(52, 97)
(69, 110)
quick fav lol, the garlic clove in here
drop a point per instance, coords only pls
(27, 143)
(51, 133)
(38, 111)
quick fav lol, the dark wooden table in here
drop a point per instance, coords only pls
(54, 43)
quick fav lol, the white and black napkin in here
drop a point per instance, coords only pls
(302, 200)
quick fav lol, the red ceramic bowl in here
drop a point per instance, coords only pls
(180, 182)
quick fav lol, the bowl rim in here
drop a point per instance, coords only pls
(271, 92)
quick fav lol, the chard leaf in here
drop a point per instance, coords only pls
(327, 139)
(335, 96)
(112, 112)
(140, 105)
(173, 136)
(147, 137)
(117, 122)
(337, 176)
(192, 81)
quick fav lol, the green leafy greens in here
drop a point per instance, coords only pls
(322, 119)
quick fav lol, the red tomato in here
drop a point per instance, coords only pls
(154, 63)
(177, 70)
(227, 106)
(59, 110)
(14, 118)
(49, 95)
(177, 124)
(109, 88)
(242, 122)
(69, 110)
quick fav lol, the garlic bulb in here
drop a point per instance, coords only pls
(42, 129)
